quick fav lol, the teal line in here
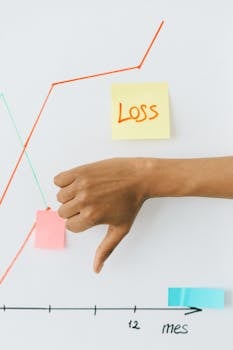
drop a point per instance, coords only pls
(26, 153)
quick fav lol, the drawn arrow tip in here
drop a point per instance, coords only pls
(193, 310)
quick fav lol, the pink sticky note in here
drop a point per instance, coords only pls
(49, 230)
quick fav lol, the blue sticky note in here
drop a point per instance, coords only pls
(196, 297)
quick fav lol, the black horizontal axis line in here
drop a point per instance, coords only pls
(95, 308)
(4, 308)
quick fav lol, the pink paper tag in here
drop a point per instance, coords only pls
(49, 230)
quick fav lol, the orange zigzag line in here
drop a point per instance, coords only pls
(139, 66)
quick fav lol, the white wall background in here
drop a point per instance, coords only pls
(174, 242)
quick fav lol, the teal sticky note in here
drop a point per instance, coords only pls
(196, 297)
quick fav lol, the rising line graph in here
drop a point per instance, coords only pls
(34, 126)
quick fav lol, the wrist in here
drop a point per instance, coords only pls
(205, 177)
(168, 178)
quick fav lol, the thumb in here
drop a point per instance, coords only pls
(113, 237)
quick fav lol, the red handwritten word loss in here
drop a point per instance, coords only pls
(137, 113)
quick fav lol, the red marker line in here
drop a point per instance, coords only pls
(4, 275)
(139, 66)
(17, 254)
(151, 44)
(24, 147)
(95, 75)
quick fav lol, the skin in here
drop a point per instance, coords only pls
(112, 191)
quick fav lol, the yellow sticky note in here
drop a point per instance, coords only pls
(140, 111)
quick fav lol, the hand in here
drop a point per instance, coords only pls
(106, 192)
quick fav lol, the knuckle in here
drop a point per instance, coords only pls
(84, 182)
(74, 226)
(60, 197)
(91, 216)
(57, 179)
(83, 196)
(70, 226)
(61, 212)
(65, 195)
